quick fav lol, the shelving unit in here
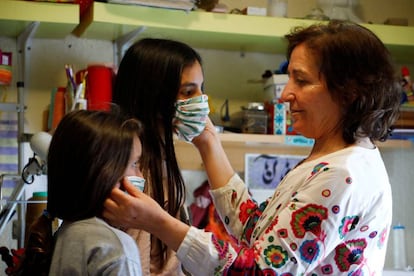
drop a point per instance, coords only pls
(218, 31)
(199, 29)
(56, 20)
(406, 120)
(226, 32)
(24, 20)
(237, 145)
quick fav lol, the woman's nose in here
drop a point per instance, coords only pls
(139, 173)
(199, 92)
(287, 94)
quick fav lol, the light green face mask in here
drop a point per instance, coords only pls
(190, 117)
(137, 181)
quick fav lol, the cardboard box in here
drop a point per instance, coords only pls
(255, 11)
(396, 21)
(274, 86)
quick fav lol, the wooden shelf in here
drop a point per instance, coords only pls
(56, 20)
(198, 28)
(237, 146)
(406, 119)
(218, 31)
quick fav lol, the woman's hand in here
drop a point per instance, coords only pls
(135, 209)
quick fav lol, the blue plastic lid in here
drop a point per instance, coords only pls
(399, 226)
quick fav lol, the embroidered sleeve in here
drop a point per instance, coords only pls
(315, 227)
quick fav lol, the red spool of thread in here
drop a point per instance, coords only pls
(99, 87)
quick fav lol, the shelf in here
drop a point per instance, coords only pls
(218, 31)
(406, 119)
(56, 20)
(237, 145)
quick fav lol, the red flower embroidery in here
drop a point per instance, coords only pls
(247, 209)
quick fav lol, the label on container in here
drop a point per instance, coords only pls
(298, 140)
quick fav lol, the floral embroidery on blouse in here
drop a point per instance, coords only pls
(349, 253)
(318, 168)
(348, 224)
(308, 218)
(308, 242)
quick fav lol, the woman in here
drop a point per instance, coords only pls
(160, 83)
(90, 154)
(331, 214)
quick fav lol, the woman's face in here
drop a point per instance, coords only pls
(191, 82)
(313, 112)
(133, 167)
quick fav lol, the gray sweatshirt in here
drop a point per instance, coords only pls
(93, 247)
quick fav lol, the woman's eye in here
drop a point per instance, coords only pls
(188, 90)
(186, 93)
(300, 82)
(135, 164)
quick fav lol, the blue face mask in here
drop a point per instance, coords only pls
(190, 117)
(137, 181)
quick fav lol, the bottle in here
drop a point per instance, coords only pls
(399, 252)
(277, 8)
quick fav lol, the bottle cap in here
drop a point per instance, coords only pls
(40, 194)
(399, 226)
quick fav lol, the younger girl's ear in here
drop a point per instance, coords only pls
(120, 184)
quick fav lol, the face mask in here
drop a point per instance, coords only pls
(137, 181)
(190, 117)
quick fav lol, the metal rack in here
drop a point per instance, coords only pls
(9, 209)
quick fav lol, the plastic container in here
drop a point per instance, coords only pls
(277, 8)
(99, 87)
(399, 251)
(274, 86)
(254, 119)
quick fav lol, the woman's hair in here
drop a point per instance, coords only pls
(359, 74)
(146, 87)
(88, 155)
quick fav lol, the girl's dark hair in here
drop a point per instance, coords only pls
(88, 155)
(146, 87)
(359, 73)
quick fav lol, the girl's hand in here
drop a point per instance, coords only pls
(209, 134)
